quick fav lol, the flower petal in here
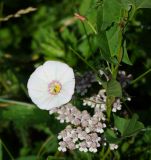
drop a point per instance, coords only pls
(40, 74)
(68, 87)
(47, 103)
(37, 83)
(50, 69)
(64, 98)
(37, 93)
(65, 73)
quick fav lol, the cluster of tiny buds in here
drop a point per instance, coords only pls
(70, 114)
(116, 105)
(77, 138)
(124, 79)
(85, 131)
(84, 82)
(99, 101)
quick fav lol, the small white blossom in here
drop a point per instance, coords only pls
(116, 105)
(129, 98)
(113, 146)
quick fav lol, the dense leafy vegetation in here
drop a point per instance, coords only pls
(52, 32)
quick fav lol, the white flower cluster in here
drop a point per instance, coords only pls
(99, 101)
(77, 138)
(83, 134)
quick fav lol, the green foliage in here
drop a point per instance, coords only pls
(114, 88)
(128, 127)
(54, 158)
(141, 3)
(27, 157)
(105, 18)
(110, 26)
(111, 136)
(122, 38)
(125, 55)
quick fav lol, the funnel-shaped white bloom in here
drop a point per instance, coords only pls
(51, 85)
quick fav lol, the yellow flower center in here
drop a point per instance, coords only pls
(54, 87)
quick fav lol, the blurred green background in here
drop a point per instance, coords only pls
(46, 34)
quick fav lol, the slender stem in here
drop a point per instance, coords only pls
(131, 113)
(106, 154)
(101, 153)
(141, 76)
(91, 26)
(95, 71)
(88, 157)
(92, 101)
(84, 60)
(57, 153)
(109, 68)
(109, 103)
(16, 102)
(10, 155)
(119, 56)
(43, 146)
(87, 37)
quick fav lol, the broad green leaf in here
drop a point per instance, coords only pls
(103, 45)
(85, 6)
(99, 21)
(109, 12)
(25, 115)
(137, 3)
(69, 37)
(114, 88)
(114, 37)
(87, 9)
(143, 3)
(121, 123)
(46, 41)
(133, 127)
(85, 49)
(109, 40)
(125, 58)
(111, 136)
(128, 127)
(52, 50)
(147, 135)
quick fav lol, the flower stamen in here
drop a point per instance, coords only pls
(54, 87)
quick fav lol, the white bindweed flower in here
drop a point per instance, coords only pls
(51, 85)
